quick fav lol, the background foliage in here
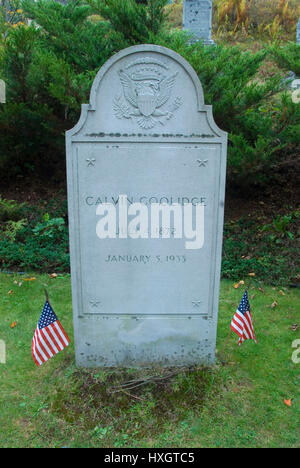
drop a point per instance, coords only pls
(49, 71)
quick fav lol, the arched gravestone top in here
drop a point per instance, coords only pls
(146, 134)
(108, 80)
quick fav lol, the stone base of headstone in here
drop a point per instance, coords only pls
(209, 42)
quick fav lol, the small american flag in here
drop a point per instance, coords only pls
(241, 323)
(49, 337)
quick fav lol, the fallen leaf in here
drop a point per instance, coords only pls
(15, 282)
(13, 325)
(30, 279)
(20, 284)
(288, 402)
(53, 275)
(275, 303)
(251, 274)
(10, 292)
(237, 285)
(281, 292)
(261, 290)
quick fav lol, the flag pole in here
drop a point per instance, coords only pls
(226, 342)
(46, 294)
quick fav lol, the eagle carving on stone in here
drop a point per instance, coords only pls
(146, 94)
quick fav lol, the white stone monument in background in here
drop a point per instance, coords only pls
(146, 292)
(197, 19)
(2, 92)
(298, 32)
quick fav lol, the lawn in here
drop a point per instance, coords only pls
(237, 403)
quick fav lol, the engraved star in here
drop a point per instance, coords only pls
(91, 161)
(202, 162)
(196, 303)
(95, 303)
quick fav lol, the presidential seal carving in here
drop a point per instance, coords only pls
(147, 88)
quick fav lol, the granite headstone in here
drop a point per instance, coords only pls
(2, 92)
(146, 137)
(197, 19)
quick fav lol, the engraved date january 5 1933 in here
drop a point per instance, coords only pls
(144, 259)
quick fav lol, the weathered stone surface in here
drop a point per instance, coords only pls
(298, 32)
(197, 19)
(2, 92)
(146, 134)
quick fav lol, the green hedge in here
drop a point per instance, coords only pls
(49, 72)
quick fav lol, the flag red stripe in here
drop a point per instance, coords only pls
(42, 349)
(37, 350)
(249, 319)
(63, 331)
(236, 329)
(242, 318)
(246, 330)
(34, 353)
(55, 337)
(245, 325)
(48, 343)
(49, 338)
(238, 324)
(59, 335)
(45, 345)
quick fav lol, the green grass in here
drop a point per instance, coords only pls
(237, 403)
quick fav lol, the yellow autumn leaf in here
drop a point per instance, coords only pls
(13, 325)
